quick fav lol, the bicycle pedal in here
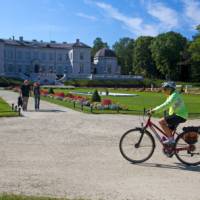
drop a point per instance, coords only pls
(168, 153)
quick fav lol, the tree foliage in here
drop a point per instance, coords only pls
(124, 51)
(194, 49)
(142, 57)
(97, 45)
(96, 97)
(168, 55)
(166, 49)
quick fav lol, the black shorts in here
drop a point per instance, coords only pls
(173, 121)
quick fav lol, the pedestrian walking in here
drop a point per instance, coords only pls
(36, 92)
(25, 92)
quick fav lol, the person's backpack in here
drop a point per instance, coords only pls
(20, 101)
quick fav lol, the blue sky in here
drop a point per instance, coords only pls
(66, 20)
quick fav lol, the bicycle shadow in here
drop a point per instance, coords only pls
(178, 166)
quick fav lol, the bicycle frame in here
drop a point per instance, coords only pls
(154, 127)
(156, 130)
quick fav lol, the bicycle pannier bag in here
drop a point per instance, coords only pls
(191, 135)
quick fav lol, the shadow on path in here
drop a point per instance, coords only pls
(177, 166)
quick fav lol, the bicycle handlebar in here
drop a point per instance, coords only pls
(146, 112)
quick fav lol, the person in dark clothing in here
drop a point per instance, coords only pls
(20, 102)
(25, 93)
(36, 92)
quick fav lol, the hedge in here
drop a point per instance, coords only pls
(6, 82)
(122, 83)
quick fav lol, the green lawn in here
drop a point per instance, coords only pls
(22, 197)
(5, 110)
(137, 103)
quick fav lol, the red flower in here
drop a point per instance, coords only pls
(106, 102)
(59, 94)
(44, 92)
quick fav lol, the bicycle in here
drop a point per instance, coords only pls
(137, 145)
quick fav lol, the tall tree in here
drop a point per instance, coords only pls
(194, 49)
(142, 58)
(97, 45)
(166, 51)
(198, 32)
(124, 51)
(185, 65)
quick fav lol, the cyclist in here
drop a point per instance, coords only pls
(177, 111)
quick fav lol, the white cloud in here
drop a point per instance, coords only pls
(192, 11)
(134, 24)
(90, 17)
(167, 16)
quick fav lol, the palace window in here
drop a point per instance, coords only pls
(28, 55)
(59, 57)
(81, 56)
(67, 57)
(109, 69)
(11, 68)
(50, 56)
(19, 55)
(51, 69)
(81, 68)
(43, 56)
(27, 69)
(35, 55)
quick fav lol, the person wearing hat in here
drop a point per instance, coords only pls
(177, 111)
(36, 92)
(25, 92)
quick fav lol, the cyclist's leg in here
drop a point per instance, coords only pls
(172, 121)
(164, 125)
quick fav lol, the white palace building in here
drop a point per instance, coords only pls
(47, 61)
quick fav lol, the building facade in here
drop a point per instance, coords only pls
(105, 62)
(42, 61)
(47, 62)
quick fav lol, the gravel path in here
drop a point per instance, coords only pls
(60, 152)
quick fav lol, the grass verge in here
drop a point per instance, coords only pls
(22, 197)
(135, 104)
(5, 110)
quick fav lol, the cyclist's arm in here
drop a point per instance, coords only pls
(169, 102)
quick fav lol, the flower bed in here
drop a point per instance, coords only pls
(105, 104)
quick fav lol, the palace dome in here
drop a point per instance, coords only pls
(105, 52)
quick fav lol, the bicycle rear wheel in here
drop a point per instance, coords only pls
(188, 149)
(134, 151)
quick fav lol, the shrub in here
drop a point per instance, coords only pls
(96, 97)
(50, 91)
(5, 82)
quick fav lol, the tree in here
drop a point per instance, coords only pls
(185, 65)
(194, 49)
(142, 58)
(198, 32)
(96, 97)
(166, 51)
(97, 45)
(124, 52)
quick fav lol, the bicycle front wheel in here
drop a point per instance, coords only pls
(188, 148)
(136, 146)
